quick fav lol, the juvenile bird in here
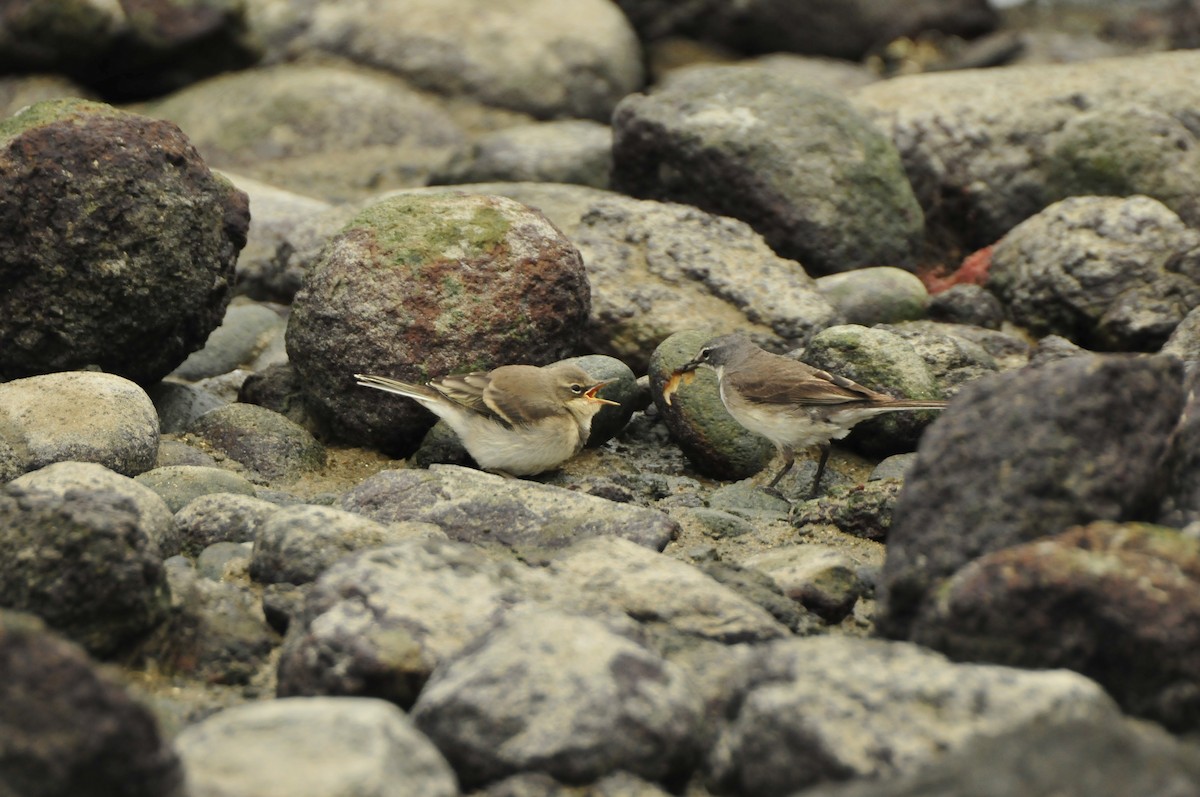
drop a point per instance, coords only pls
(790, 403)
(517, 420)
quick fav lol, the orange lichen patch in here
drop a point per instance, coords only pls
(972, 271)
(673, 383)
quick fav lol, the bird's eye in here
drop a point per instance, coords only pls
(704, 354)
(577, 390)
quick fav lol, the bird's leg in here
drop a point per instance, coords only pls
(820, 470)
(790, 460)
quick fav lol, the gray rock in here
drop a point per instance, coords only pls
(444, 283)
(378, 622)
(175, 452)
(967, 304)
(863, 510)
(537, 784)
(826, 708)
(123, 257)
(18, 91)
(953, 358)
(297, 543)
(330, 132)
(604, 703)
(664, 590)
(1070, 758)
(1008, 349)
(1100, 271)
(225, 561)
(821, 577)
(216, 633)
(179, 485)
(487, 510)
(313, 747)
(246, 331)
(179, 404)
(221, 517)
(1090, 600)
(575, 151)
(65, 478)
(266, 443)
(714, 443)
(1024, 454)
(814, 177)
(538, 58)
(883, 361)
(976, 186)
(1184, 341)
(84, 562)
(79, 416)
(71, 728)
(878, 295)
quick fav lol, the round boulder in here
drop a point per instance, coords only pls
(118, 244)
(422, 285)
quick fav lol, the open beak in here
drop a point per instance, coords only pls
(590, 394)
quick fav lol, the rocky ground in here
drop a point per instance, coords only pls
(227, 570)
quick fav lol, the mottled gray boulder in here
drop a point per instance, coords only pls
(70, 728)
(954, 353)
(883, 361)
(216, 632)
(821, 577)
(84, 562)
(603, 701)
(539, 784)
(846, 29)
(804, 169)
(128, 52)
(123, 257)
(986, 149)
(378, 622)
(325, 131)
(419, 286)
(78, 415)
(878, 295)
(179, 485)
(575, 151)
(266, 443)
(664, 590)
(827, 708)
(65, 478)
(863, 510)
(546, 58)
(1023, 455)
(511, 514)
(1109, 274)
(1119, 603)
(1069, 758)
(714, 443)
(967, 304)
(313, 747)
(298, 543)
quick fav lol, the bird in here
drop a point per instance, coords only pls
(792, 404)
(515, 420)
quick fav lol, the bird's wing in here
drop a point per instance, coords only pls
(467, 390)
(536, 396)
(793, 382)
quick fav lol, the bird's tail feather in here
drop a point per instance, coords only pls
(914, 404)
(421, 393)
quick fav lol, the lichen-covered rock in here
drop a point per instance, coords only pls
(818, 181)
(122, 256)
(419, 286)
